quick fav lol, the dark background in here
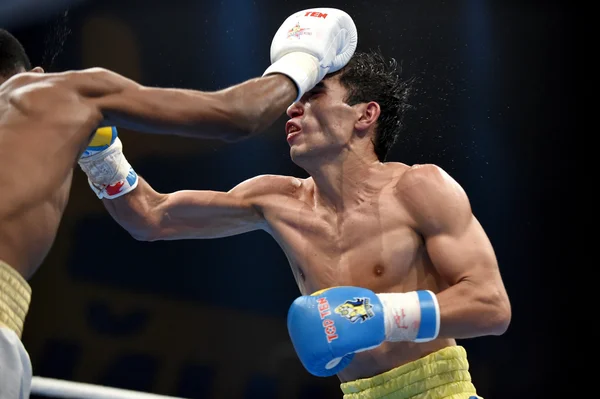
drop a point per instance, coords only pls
(206, 319)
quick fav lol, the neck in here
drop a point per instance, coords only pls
(342, 182)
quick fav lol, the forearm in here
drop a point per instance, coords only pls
(469, 310)
(259, 102)
(137, 211)
(230, 114)
(464, 310)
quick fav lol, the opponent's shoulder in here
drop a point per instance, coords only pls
(88, 73)
(45, 80)
(267, 184)
(95, 73)
(97, 82)
(26, 82)
(37, 92)
(90, 82)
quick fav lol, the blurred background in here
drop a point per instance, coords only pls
(206, 319)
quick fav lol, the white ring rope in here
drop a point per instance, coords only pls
(54, 388)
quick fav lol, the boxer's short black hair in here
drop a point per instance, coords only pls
(370, 76)
(13, 58)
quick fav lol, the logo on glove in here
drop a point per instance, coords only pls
(297, 31)
(357, 309)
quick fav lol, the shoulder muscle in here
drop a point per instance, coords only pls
(435, 201)
(266, 185)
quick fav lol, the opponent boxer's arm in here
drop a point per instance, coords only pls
(149, 216)
(476, 302)
(296, 66)
(228, 114)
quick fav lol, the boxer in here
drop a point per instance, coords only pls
(391, 261)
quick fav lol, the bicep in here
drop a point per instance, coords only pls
(456, 243)
(462, 252)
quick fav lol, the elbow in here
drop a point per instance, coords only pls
(499, 313)
(504, 319)
(145, 233)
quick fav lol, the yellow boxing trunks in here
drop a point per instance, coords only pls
(15, 295)
(440, 375)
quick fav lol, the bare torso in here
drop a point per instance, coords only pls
(43, 129)
(372, 244)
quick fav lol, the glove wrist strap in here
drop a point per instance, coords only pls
(412, 316)
(109, 173)
(302, 68)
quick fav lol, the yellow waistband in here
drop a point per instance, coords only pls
(442, 374)
(15, 296)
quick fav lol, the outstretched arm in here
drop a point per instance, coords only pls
(228, 114)
(476, 302)
(149, 216)
(237, 112)
(249, 107)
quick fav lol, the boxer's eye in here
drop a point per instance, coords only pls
(313, 93)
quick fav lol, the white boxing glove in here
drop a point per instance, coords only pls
(312, 43)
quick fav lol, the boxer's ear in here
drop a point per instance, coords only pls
(368, 114)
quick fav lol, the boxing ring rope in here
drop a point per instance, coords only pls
(54, 388)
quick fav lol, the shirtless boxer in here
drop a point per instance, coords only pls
(47, 121)
(398, 265)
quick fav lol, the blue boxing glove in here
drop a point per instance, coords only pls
(328, 327)
(109, 174)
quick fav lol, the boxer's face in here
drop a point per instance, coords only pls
(325, 120)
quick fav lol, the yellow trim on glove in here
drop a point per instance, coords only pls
(322, 291)
(103, 137)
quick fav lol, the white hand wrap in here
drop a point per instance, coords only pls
(109, 173)
(412, 316)
(302, 68)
